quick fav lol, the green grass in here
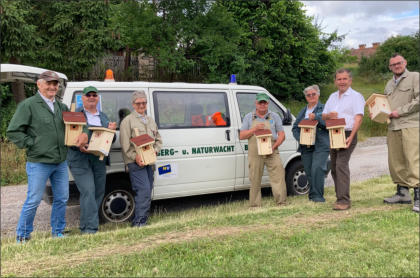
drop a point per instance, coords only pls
(13, 162)
(298, 240)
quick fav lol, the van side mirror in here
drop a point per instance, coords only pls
(287, 120)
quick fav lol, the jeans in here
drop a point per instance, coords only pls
(38, 174)
(90, 176)
(315, 164)
(142, 184)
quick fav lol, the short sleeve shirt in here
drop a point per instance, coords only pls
(348, 106)
(276, 124)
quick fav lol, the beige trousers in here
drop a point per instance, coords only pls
(403, 156)
(256, 168)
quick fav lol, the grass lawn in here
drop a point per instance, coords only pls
(298, 240)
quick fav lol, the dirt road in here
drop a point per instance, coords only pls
(368, 160)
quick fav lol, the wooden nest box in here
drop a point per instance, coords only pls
(144, 148)
(379, 107)
(307, 132)
(337, 135)
(100, 141)
(264, 141)
(74, 122)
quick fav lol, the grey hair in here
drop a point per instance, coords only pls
(343, 70)
(312, 87)
(138, 94)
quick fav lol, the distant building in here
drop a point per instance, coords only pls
(364, 51)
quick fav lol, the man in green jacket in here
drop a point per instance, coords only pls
(403, 131)
(38, 127)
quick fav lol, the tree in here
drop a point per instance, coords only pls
(283, 51)
(182, 36)
(407, 46)
(74, 34)
(18, 38)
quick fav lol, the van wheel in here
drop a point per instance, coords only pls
(117, 206)
(296, 180)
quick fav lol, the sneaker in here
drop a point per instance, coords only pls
(138, 225)
(317, 200)
(416, 207)
(402, 196)
(338, 206)
(22, 240)
(59, 235)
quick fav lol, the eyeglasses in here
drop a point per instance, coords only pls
(140, 103)
(263, 102)
(396, 64)
(311, 95)
(91, 95)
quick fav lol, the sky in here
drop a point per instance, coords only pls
(365, 22)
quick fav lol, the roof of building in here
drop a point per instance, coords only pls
(74, 117)
(263, 132)
(335, 123)
(308, 123)
(364, 51)
(142, 140)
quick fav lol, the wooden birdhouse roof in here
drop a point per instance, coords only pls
(74, 118)
(308, 123)
(142, 140)
(335, 123)
(373, 97)
(263, 133)
(101, 129)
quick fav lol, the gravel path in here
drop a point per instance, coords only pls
(368, 160)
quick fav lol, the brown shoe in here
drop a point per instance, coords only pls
(339, 206)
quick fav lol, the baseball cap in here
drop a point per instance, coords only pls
(49, 76)
(262, 96)
(89, 89)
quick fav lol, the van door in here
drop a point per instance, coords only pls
(246, 103)
(198, 154)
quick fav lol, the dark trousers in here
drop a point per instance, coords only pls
(315, 164)
(340, 171)
(142, 183)
(90, 176)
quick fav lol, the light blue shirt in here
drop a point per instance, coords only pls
(142, 118)
(276, 124)
(93, 119)
(309, 111)
(348, 106)
(49, 102)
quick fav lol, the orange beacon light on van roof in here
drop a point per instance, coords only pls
(109, 76)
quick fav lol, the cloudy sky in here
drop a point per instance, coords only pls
(365, 22)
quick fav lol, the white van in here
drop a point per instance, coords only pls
(195, 158)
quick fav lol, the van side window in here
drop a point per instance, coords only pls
(191, 109)
(115, 104)
(246, 102)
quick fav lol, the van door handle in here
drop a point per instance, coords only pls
(228, 135)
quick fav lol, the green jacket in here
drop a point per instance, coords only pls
(404, 97)
(37, 129)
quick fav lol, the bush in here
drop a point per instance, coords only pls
(407, 46)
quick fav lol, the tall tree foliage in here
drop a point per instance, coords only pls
(67, 36)
(407, 46)
(284, 51)
(74, 34)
